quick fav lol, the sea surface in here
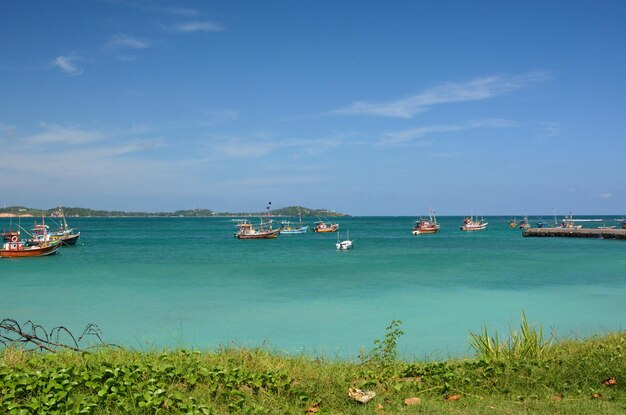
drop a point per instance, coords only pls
(186, 282)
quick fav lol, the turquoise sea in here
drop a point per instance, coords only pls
(186, 282)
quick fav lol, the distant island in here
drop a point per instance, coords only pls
(21, 211)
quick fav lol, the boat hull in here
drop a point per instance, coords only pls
(30, 251)
(423, 230)
(71, 240)
(259, 235)
(344, 245)
(328, 229)
(473, 228)
(303, 229)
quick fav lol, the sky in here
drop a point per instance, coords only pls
(363, 107)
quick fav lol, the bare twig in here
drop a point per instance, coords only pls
(33, 336)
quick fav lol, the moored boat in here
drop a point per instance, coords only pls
(426, 225)
(473, 224)
(322, 227)
(344, 245)
(245, 230)
(65, 234)
(19, 249)
(524, 224)
(288, 229)
(568, 223)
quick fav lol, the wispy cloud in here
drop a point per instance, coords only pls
(405, 136)
(68, 64)
(549, 129)
(474, 90)
(276, 181)
(605, 195)
(198, 26)
(182, 11)
(216, 117)
(60, 134)
(260, 145)
(125, 42)
(7, 132)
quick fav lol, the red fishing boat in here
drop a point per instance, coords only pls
(426, 225)
(322, 226)
(19, 249)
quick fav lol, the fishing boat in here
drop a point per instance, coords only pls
(288, 229)
(473, 224)
(64, 233)
(322, 226)
(568, 223)
(245, 230)
(15, 248)
(426, 225)
(513, 223)
(605, 226)
(344, 245)
(524, 224)
(39, 234)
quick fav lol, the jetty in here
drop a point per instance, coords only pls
(577, 233)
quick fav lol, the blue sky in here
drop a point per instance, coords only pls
(365, 107)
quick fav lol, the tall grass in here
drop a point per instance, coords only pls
(527, 343)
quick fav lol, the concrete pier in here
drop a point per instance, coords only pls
(576, 233)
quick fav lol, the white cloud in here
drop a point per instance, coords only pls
(275, 181)
(605, 195)
(198, 26)
(68, 65)
(549, 129)
(124, 42)
(59, 134)
(474, 90)
(405, 136)
(259, 145)
(182, 11)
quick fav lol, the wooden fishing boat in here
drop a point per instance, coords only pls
(288, 229)
(513, 223)
(426, 225)
(568, 223)
(323, 227)
(65, 234)
(19, 249)
(245, 230)
(473, 224)
(524, 223)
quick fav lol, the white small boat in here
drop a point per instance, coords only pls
(344, 245)
(473, 224)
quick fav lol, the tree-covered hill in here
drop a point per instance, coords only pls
(86, 212)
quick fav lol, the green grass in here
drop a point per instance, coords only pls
(523, 374)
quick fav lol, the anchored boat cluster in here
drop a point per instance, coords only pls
(39, 241)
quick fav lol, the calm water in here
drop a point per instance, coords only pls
(184, 282)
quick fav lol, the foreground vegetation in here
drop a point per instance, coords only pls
(523, 374)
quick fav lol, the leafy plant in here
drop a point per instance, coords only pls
(385, 351)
